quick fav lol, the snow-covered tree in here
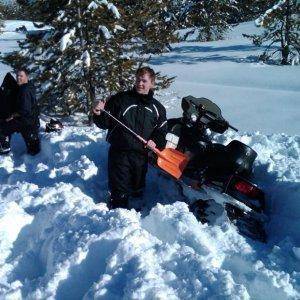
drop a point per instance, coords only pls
(150, 24)
(78, 58)
(41, 10)
(247, 10)
(281, 25)
(209, 17)
(91, 49)
(11, 10)
(1, 17)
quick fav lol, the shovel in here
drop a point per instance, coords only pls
(170, 160)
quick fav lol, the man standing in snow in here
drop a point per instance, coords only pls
(25, 119)
(128, 157)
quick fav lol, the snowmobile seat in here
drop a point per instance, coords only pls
(241, 156)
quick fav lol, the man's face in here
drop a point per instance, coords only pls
(143, 84)
(22, 78)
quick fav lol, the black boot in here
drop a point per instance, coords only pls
(118, 201)
(33, 144)
(4, 145)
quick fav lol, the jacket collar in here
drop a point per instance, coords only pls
(144, 98)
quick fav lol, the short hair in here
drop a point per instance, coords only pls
(146, 70)
(23, 69)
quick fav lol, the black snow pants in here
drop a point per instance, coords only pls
(126, 175)
(28, 132)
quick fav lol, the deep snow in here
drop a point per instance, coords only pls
(55, 242)
(252, 95)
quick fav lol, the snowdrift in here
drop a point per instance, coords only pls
(56, 242)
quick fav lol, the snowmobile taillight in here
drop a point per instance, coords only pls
(248, 189)
(246, 192)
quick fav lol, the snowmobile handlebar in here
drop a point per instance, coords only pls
(215, 123)
(233, 128)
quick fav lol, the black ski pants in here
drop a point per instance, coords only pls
(29, 134)
(126, 173)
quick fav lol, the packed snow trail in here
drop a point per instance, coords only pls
(57, 243)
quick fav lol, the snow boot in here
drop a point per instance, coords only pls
(120, 201)
(135, 200)
(4, 145)
(33, 144)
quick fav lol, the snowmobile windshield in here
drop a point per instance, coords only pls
(192, 106)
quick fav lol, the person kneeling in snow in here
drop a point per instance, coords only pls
(128, 157)
(24, 119)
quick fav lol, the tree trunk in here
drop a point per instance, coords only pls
(285, 51)
(90, 91)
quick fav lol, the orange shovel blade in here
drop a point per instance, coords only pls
(172, 161)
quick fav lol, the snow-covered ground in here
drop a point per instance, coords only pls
(56, 243)
(253, 96)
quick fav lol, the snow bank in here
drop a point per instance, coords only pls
(57, 243)
(277, 171)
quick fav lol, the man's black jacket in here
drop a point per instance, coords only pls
(27, 107)
(141, 113)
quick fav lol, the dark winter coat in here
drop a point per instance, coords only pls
(27, 107)
(141, 113)
(8, 96)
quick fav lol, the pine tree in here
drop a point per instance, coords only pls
(150, 28)
(209, 17)
(1, 17)
(90, 51)
(248, 10)
(78, 58)
(43, 11)
(11, 10)
(281, 35)
(150, 24)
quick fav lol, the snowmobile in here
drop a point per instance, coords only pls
(218, 177)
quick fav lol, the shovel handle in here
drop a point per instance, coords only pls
(123, 125)
(155, 150)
